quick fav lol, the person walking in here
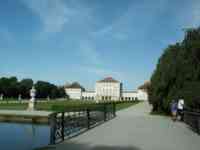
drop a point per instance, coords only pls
(174, 110)
(180, 109)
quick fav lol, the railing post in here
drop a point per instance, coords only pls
(88, 118)
(114, 109)
(52, 122)
(63, 126)
(198, 125)
(185, 119)
(105, 111)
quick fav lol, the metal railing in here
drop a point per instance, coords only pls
(193, 120)
(73, 121)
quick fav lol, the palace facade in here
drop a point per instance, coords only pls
(106, 89)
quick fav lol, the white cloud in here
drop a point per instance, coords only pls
(89, 52)
(6, 35)
(101, 72)
(117, 28)
(122, 27)
(94, 62)
(53, 13)
(56, 14)
(111, 31)
(195, 13)
(103, 31)
(186, 16)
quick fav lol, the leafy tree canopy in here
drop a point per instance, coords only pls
(177, 74)
(12, 88)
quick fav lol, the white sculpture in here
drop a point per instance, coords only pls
(33, 93)
(1, 97)
(31, 105)
(19, 97)
(48, 98)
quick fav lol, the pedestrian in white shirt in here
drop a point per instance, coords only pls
(180, 108)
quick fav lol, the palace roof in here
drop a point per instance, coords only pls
(75, 85)
(109, 80)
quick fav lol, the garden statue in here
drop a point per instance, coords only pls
(19, 97)
(31, 104)
(1, 97)
(48, 98)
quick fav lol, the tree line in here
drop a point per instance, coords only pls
(11, 88)
(177, 74)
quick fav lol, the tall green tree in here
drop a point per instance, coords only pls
(9, 87)
(43, 89)
(177, 68)
(24, 87)
(46, 89)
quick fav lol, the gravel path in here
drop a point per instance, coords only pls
(135, 129)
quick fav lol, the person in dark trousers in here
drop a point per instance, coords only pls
(174, 110)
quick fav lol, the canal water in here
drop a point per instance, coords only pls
(17, 136)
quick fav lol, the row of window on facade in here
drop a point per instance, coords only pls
(88, 98)
(129, 98)
(110, 98)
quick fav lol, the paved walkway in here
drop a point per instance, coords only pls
(135, 129)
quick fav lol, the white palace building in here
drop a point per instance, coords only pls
(106, 89)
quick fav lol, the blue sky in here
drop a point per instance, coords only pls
(85, 40)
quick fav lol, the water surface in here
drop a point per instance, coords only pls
(17, 136)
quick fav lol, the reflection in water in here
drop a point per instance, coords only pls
(23, 136)
(30, 132)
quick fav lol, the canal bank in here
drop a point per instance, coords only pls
(23, 116)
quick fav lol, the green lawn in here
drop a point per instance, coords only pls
(11, 106)
(48, 105)
(121, 106)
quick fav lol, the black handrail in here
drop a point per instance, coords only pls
(193, 120)
(73, 121)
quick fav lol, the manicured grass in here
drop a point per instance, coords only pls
(41, 105)
(159, 113)
(49, 105)
(121, 106)
(13, 106)
(68, 103)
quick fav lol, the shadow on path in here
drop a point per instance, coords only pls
(75, 146)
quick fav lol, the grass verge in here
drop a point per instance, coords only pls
(49, 105)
